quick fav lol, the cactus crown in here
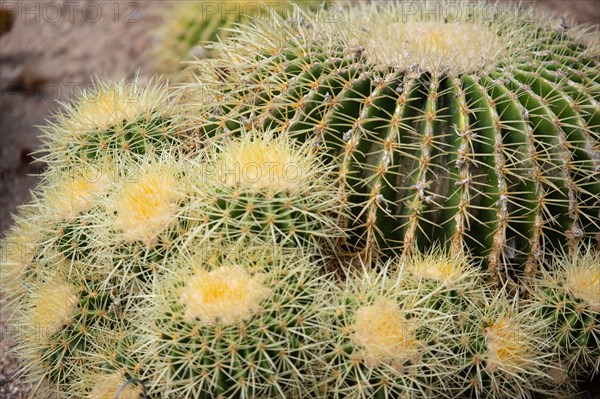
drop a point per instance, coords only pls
(444, 269)
(52, 306)
(110, 386)
(397, 35)
(146, 204)
(225, 294)
(383, 330)
(582, 278)
(507, 348)
(108, 104)
(77, 189)
(263, 162)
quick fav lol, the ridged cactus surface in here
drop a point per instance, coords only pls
(478, 134)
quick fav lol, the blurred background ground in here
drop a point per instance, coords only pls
(51, 50)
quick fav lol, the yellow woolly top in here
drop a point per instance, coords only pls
(583, 281)
(437, 268)
(262, 162)
(52, 307)
(508, 348)
(383, 331)
(226, 294)
(110, 104)
(107, 386)
(146, 206)
(460, 47)
(18, 249)
(77, 192)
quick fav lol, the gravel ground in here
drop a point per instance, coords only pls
(55, 48)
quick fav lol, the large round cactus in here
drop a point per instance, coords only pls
(479, 131)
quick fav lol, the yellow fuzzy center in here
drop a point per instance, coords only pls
(18, 250)
(77, 193)
(584, 283)
(145, 207)
(52, 307)
(433, 46)
(226, 294)
(110, 106)
(383, 331)
(107, 387)
(507, 347)
(261, 163)
(438, 269)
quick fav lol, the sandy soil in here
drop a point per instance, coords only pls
(53, 49)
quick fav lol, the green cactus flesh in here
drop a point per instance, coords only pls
(498, 157)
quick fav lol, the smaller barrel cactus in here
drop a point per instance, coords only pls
(113, 119)
(568, 296)
(384, 342)
(233, 322)
(135, 221)
(452, 282)
(263, 188)
(63, 314)
(500, 351)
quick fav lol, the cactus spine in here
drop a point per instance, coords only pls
(495, 152)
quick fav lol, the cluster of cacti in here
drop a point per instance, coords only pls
(478, 133)
(312, 216)
(399, 333)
